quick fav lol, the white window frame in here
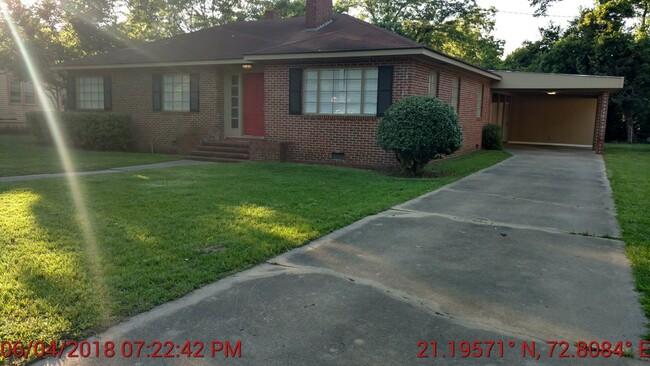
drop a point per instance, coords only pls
(479, 101)
(455, 94)
(176, 92)
(318, 97)
(90, 92)
(434, 76)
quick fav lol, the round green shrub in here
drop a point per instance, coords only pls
(491, 137)
(418, 130)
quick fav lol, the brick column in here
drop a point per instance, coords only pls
(601, 122)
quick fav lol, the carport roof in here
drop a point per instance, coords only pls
(532, 81)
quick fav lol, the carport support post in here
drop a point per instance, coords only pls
(601, 122)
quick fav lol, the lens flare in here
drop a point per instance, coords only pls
(83, 218)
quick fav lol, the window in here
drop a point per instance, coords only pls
(479, 101)
(341, 91)
(176, 92)
(234, 101)
(15, 91)
(29, 93)
(90, 92)
(455, 93)
(433, 84)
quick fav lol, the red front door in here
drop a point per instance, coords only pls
(254, 104)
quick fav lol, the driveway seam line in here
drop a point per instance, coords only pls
(501, 224)
(406, 297)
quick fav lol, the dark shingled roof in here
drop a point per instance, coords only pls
(266, 37)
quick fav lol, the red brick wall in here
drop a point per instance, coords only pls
(601, 122)
(308, 138)
(469, 85)
(318, 12)
(170, 132)
(313, 138)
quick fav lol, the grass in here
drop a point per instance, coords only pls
(163, 233)
(628, 168)
(20, 155)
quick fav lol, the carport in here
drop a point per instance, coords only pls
(553, 109)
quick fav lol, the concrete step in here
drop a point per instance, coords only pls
(222, 143)
(226, 149)
(213, 159)
(221, 154)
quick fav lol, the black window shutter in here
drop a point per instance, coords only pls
(108, 97)
(71, 92)
(295, 91)
(194, 92)
(156, 90)
(384, 89)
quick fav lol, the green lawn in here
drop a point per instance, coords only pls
(163, 233)
(21, 155)
(628, 167)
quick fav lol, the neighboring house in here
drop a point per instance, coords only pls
(17, 97)
(311, 89)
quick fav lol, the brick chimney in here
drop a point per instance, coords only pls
(319, 12)
(271, 14)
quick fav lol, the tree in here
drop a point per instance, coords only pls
(156, 19)
(418, 130)
(600, 42)
(459, 28)
(53, 31)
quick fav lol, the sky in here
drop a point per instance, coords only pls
(517, 28)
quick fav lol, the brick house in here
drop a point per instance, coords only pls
(305, 89)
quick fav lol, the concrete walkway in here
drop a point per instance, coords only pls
(506, 254)
(167, 164)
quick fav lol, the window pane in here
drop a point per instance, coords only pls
(311, 85)
(326, 85)
(327, 74)
(311, 74)
(310, 107)
(339, 85)
(176, 96)
(325, 108)
(370, 108)
(354, 85)
(338, 97)
(339, 108)
(310, 97)
(15, 91)
(354, 74)
(433, 84)
(90, 92)
(372, 73)
(354, 108)
(340, 91)
(354, 97)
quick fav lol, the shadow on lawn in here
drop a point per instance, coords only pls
(151, 235)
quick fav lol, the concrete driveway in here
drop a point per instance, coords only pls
(520, 253)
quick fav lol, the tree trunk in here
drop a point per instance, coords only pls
(629, 126)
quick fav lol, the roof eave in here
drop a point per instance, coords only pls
(419, 51)
(148, 64)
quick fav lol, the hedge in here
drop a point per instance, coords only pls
(419, 129)
(491, 137)
(104, 131)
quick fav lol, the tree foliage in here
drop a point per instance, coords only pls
(459, 28)
(58, 30)
(600, 42)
